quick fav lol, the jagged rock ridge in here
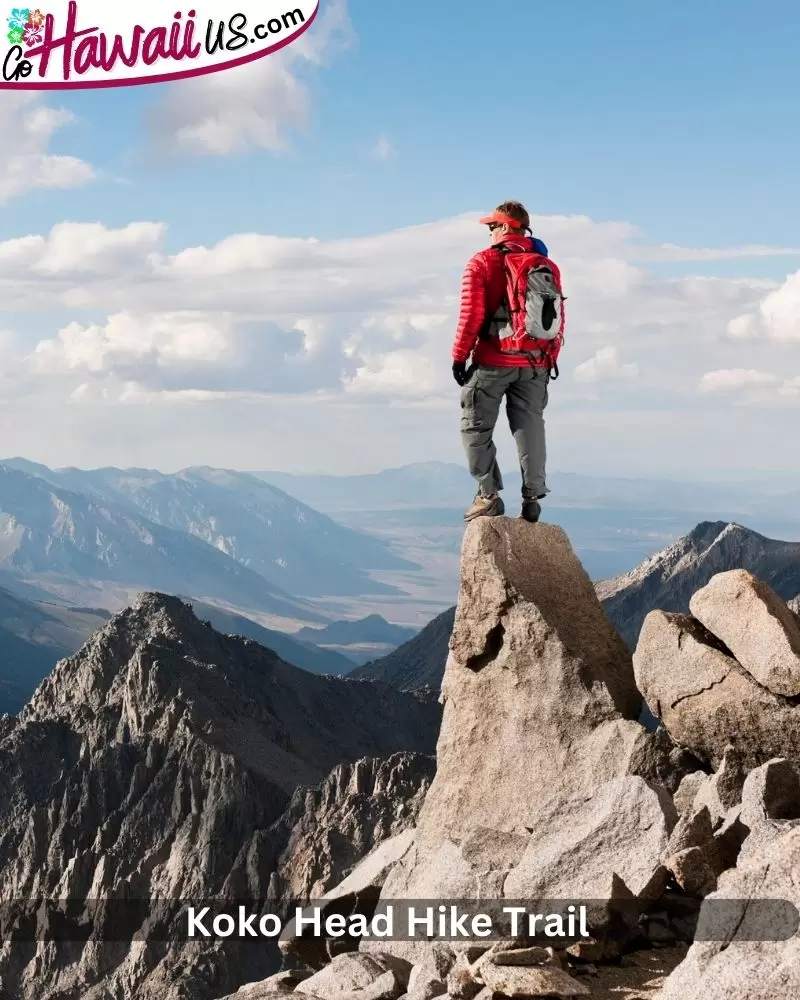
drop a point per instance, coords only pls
(151, 763)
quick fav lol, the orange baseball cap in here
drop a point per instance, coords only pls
(502, 219)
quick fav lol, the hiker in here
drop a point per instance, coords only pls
(512, 326)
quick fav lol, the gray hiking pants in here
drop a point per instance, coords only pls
(525, 391)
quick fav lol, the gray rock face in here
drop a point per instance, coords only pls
(771, 792)
(756, 625)
(364, 882)
(331, 828)
(705, 699)
(540, 758)
(702, 845)
(734, 966)
(722, 791)
(428, 978)
(621, 827)
(544, 981)
(538, 690)
(687, 790)
(357, 971)
(157, 762)
(278, 985)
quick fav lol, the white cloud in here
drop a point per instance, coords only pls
(203, 354)
(384, 150)
(604, 366)
(737, 379)
(366, 320)
(26, 163)
(777, 316)
(673, 252)
(254, 106)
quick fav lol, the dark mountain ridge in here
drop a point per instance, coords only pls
(154, 763)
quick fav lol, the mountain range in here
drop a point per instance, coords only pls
(666, 581)
(360, 639)
(669, 578)
(68, 542)
(447, 484)
(260, 527)
(614, 523)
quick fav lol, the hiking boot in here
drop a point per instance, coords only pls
(531, 511)
(491, 506)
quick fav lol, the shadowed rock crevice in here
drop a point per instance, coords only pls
(494, 645)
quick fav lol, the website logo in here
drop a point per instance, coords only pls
(91, 43)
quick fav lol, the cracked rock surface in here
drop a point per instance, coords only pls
(706, 699)
(539, 724)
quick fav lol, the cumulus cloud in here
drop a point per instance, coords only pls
(190, 352)
(604, 366)
(777, 316)
(26, 162)
(253, 106)
(367, 318)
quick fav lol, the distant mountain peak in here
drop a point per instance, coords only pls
(667, 579)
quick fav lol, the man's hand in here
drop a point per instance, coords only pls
(460, 372)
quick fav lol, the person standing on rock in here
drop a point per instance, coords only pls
(511, 325)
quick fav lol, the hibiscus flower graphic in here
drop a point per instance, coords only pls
(35, 19)
(19, 18)
(33, 34)
(15, 36)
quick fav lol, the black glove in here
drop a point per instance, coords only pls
(460, 372)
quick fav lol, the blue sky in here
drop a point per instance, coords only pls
(679, 116)
(676, 121)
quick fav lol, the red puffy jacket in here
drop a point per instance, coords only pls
(483, 289)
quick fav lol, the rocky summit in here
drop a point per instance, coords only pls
(539, 693)
(165, 758)
(666, 581)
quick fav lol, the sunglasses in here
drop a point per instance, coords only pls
(494, 225)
